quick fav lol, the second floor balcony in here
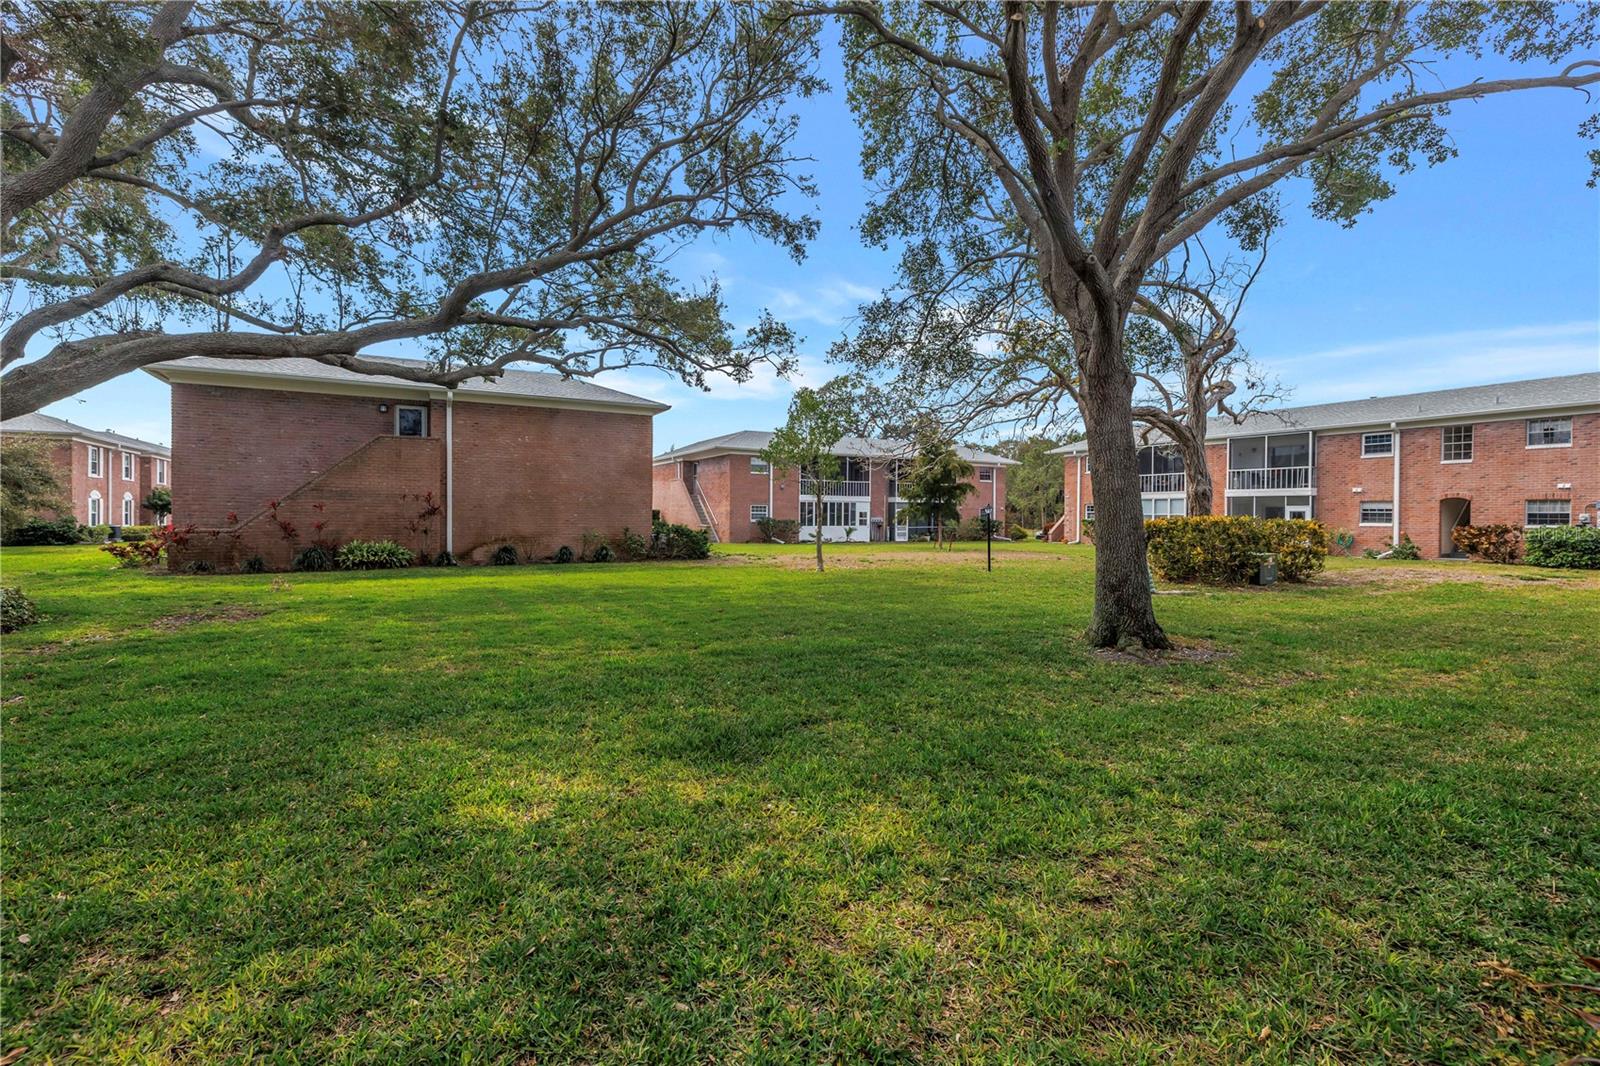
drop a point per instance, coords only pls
(852, 487)
(1270, 478)
(1161, 483)
(1273, 462)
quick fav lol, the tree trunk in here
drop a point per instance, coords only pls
(817, 517)
(1197, 474)
(1124, 616)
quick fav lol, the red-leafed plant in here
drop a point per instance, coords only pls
(152, 549)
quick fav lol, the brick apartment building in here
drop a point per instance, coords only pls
(104, 476)
(531, 459)
(1524, 453)
(723, 485)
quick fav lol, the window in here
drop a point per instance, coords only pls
(1377, 513)
(1549, 513)
(841, 513)
(808, 512)
(1373, 444)
(1088, 512)
(985, 474)
(1549, 432)
(94, 465)
(1457, 444)
(127, 508)
(94, 508)
(411, 421)
(759, 465)
(1163, 506)
(161, 471)
(758, 512)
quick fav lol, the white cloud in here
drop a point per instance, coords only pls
(1439, 361)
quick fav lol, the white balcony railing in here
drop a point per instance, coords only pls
(808, 488)
(1270, 478)
(1161, 482)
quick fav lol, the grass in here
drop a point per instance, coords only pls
(738, 811)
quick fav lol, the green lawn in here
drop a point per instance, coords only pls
(738, 811)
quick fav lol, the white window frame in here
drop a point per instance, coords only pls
(1445, 442)
(1361, 512)
(760, 466)
(95, 508)
(127, 466)
(96, 463)
(1088, 512)
(410, 407)
(161, 471)
(127, 509)
(1558, 444)
(1368, 452)
(986, 474)
(805, 506)
(1528, 513)
(758, 511)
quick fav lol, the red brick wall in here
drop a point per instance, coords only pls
(1503, 475)
(540, 477)
(669, 494)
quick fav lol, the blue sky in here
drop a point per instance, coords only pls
(1486, 268)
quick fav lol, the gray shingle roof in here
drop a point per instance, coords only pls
(753, 440)
(513, 384)
(49, 425)
(1472, 401)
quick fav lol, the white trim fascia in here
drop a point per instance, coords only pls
(387, 389)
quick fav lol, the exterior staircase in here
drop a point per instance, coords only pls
(703, 510)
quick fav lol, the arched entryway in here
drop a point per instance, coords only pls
(1453, 511)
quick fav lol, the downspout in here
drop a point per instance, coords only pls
(450, 472)
(1394, 529)
(1077, 519)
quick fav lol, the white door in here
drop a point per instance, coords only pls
(1297, 512)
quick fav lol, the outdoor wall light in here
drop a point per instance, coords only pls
(1563, 484)
(383, 408)
(1356, 489)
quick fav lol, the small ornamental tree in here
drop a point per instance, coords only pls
(818, 418)
(936, 484)
(159, 503)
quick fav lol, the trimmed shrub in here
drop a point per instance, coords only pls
(373, 555)
(96, 534)
(444, 558)
(16, 610)
(37, 531)
(1227, 549)
(1492, 544)
(565, 554)
(315, 558)
(134, 534)
(633, 545)
(1016, 532)
(253, 565)
(778, 530)
(505, 555)
(1569, 547)
(1406, 549)
(669, 541)
(602, 554)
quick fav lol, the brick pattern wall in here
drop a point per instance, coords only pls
(1504, 474)
(71, 460)
(669, 494)
(533, 477)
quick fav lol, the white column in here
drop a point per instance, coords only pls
(450, 472)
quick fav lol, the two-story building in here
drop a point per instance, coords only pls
(1523, 453)
(104, 476)
(724, 486)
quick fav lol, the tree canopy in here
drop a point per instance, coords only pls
(936, 483)
(29, 481)
(490, 182)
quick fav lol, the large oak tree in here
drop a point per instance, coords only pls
(491, 182)
(1039, 160)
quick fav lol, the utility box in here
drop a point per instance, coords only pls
(1267, 572)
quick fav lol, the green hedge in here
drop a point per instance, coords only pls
(1569, 547)
(1227, 549)
(37, 531)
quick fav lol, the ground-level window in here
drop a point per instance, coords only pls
(759, 465)
(1457, 444)
(985, 474)
(1088, 512)
(161, 471)
(127, 508)
(1373, 444)
(1163, 506)
(411, 421)
(94, 509)
(1549, 513)
(758, 511)
(1549, 432)
(94, 463)
(127, 466)
(1377, 513)
(1271, 506)
(808, 512)
(834, 513)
